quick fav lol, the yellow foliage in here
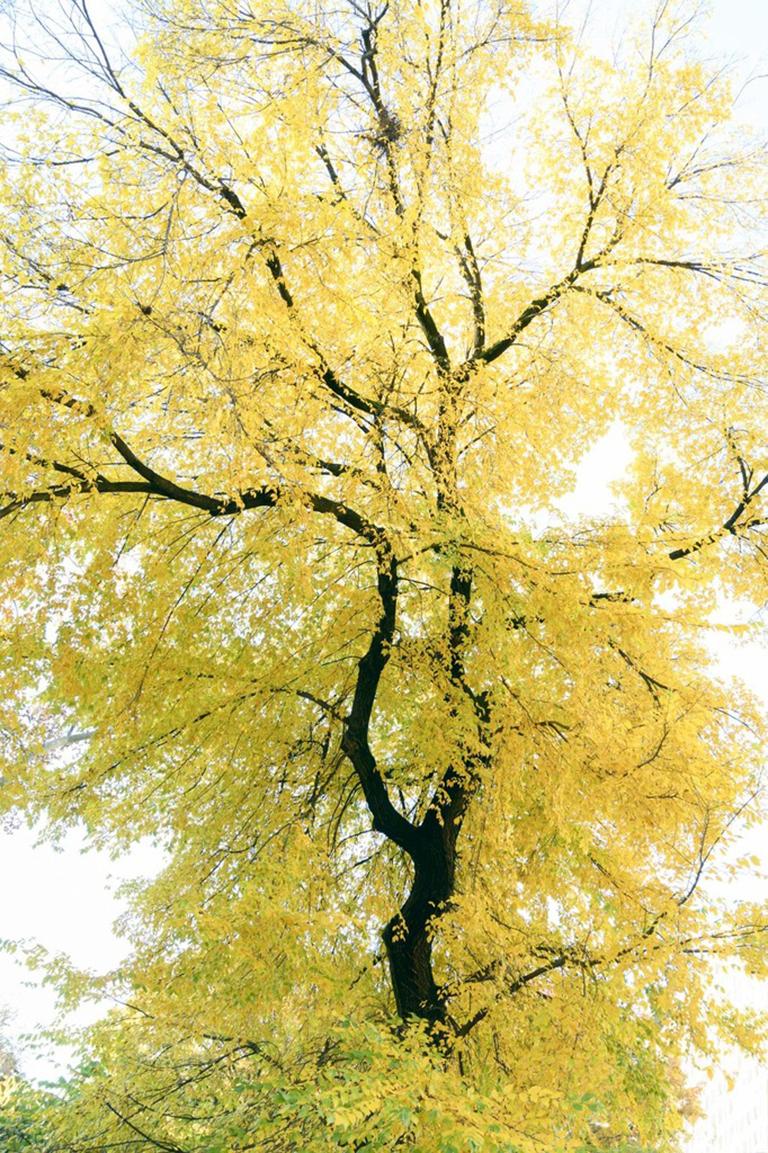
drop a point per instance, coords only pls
(303, 345)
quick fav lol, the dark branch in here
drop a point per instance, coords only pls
(731, 525)
(533, 310)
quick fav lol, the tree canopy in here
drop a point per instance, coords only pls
(310, 312)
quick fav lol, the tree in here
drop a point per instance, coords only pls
(311, 312)
(21, 1106)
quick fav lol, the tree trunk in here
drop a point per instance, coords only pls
(407, 936)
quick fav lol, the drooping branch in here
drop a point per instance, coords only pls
(155, 1142)
(734, 522)
(579, 957)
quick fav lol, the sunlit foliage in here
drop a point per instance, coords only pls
(311, 311)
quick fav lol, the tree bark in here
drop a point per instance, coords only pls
(407, 935)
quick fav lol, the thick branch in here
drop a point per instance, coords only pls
(731, 525)
(470, 270)
(536, 307)
(355, 739)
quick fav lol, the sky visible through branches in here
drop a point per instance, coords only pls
(68, 900)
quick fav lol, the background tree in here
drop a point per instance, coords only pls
(22, 1107)
(311, 312)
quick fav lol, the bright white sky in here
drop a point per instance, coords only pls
(65, 899)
